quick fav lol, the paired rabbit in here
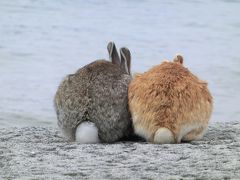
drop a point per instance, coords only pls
(95, 99)
(167, 104)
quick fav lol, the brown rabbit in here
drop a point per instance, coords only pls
(169, 104)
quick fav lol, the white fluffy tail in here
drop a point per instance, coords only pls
(87, 133)
(163, 136)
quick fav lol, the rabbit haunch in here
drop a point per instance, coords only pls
(169, 104)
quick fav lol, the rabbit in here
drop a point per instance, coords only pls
(169, 104)
(95, 98)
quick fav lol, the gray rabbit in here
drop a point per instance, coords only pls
(97, 93)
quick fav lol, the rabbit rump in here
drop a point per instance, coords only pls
(169, 104)
(95, 99)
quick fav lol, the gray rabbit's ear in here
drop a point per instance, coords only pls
(125, 60)
(113, 54)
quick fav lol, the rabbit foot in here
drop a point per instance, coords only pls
(195, 134)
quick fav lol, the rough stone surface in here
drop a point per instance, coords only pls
(41, 153)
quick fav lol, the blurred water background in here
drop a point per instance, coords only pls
(41, 41)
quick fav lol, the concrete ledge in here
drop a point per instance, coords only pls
(40, 153)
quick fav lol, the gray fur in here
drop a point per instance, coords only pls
(97, 93)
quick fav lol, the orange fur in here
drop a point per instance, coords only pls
(170, 96)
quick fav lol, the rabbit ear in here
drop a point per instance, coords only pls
(125, 60)
(178, 59)
(113, 54)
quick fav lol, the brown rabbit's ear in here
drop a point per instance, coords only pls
(178, 59)
(113, 54)
(125, 60)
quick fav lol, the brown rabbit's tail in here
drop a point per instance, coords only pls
(164, 136)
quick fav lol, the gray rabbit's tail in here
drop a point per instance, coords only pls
(87, 133)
